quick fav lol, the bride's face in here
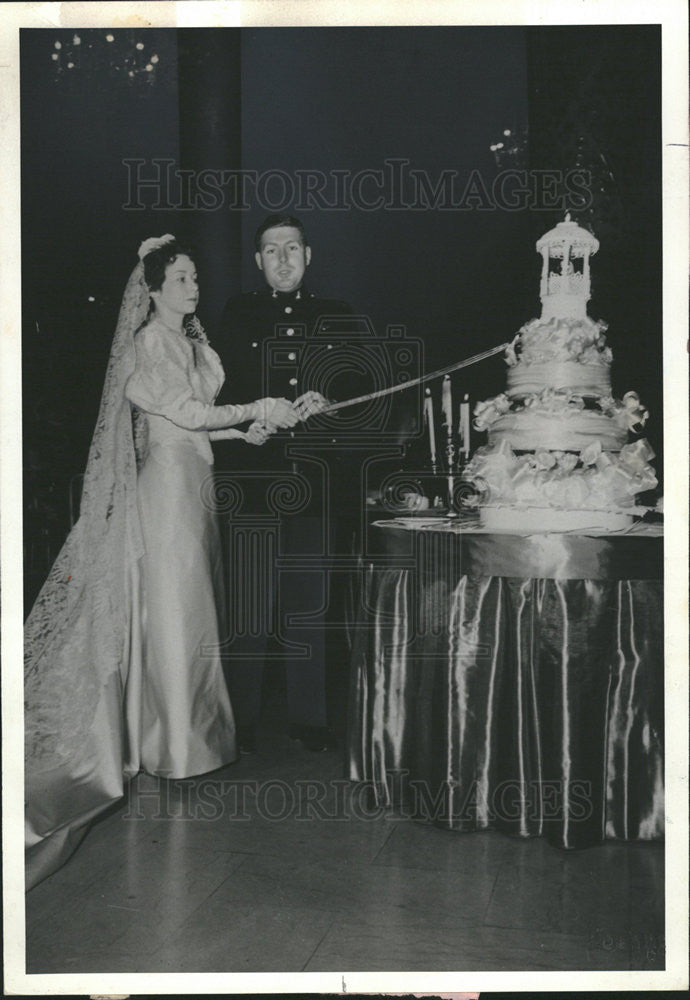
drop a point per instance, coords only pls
(179, 293)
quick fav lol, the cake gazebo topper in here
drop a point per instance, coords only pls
(565, 279)
(558, 457)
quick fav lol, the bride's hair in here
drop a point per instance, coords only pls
(157, 261)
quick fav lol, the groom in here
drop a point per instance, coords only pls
(252, 324)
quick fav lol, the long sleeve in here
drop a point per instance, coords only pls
(161, 385)
(227, 434)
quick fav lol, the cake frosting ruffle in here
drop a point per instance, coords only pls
(560, 418)
(559, 353)
(551, 340)
(593, 478)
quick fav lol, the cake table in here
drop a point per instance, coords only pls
(511, 681)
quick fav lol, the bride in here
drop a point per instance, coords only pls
(122, 669)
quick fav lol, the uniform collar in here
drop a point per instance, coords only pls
(287, 297)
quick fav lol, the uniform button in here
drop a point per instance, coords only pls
(290, 332)
(288, 309)
(293, 381)
(329, 347)
(292, 356)
(254, 344)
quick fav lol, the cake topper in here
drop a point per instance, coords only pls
(565, 280)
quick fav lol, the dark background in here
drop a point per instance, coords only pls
(321, 98)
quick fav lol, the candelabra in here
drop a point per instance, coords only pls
(450, 463)
(429, 421)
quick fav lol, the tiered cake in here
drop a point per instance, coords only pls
(558, 456)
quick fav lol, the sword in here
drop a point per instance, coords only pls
(332, 407)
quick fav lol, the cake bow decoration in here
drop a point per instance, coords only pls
(153, 243)
(604, 461)
(544, 459)
(626, 475)
(636, 458)
(635, 413)
(591, 453)
(486, 459)
(493, 468)
(511, 356)
(566, 461)
(489, 410)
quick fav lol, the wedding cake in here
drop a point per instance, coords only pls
(558, 456)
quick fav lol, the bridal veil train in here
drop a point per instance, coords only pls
(122, 671)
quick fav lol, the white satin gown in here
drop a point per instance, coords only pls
(178, 717)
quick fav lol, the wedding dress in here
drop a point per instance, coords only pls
(122, 670)
(179, 719)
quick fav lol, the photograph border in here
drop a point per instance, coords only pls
(672, 16)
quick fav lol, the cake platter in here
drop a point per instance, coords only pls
(430, 513)
(552, 519)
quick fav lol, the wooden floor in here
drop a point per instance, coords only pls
(196, 876)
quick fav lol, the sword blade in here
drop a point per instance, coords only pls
(417, 381)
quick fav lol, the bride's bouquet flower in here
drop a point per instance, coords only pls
(194, 330)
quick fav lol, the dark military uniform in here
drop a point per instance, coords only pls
(249, 320)
(284, 344)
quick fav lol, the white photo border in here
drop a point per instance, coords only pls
(672, 16)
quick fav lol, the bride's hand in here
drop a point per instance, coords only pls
(282, 414)
(258, 432)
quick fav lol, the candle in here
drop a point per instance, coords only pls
(464, 427)
(429, 418)
(447, 403)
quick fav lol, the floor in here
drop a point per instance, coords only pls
(274, 864)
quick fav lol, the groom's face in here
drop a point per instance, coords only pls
(283, 258)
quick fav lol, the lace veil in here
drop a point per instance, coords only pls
(76, 635)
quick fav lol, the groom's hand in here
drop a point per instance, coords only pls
(310, 404)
